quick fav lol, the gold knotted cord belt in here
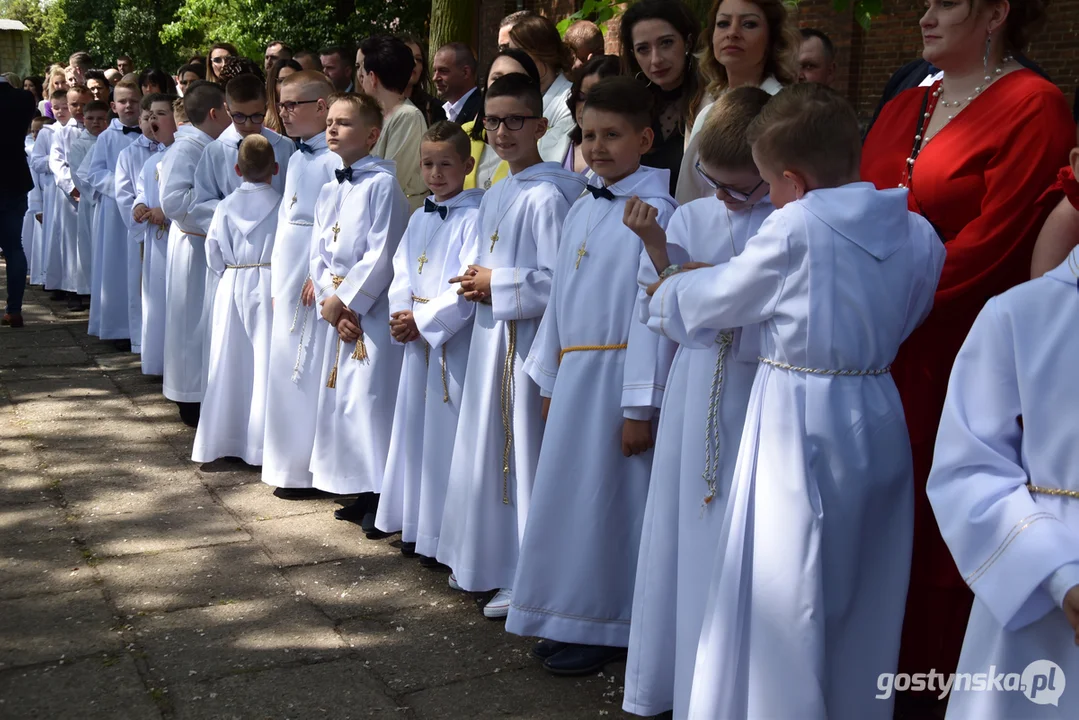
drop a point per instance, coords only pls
(508, 387)
(360, 353)
(427, 357)
(833, 373)
(1056, 492)
(247, 267)
(589, 348)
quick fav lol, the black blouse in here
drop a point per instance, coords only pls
(666, 153)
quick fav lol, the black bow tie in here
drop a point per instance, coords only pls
(343, 174)
(429, 206)
(304, 147)
(601, 192)
(132, 129)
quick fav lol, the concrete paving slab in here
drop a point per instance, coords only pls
(161, 531)
(134, 460)
(305, 539)
(255, 501)
(32, 523)
(51, 566)
(46, 628)
(15, 359)
(122, 496)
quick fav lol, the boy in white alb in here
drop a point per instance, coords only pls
(31, 225)
(498, 434)
(293, 381)
(148, 213)
(601, 376)
(1005, 492)
(47, 271)
(67, 211)
(434, 323)
(700, 422)
(185, 284)
(95, 119)
(238, 248)
(810, 579)
(109, 293)
(37, 155)
(128, 168)
(359, 220)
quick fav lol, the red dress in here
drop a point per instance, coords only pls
(981, 181)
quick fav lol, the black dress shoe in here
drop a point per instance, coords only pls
(582, 659)
(74, 303)
(300, 493)
(56, 295)
(351, 513)
(432, 564)
(408, 549)
(125, 346)
(546, 648)
(189, 413)
(369, 529)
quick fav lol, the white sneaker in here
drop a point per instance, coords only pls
(499, 607)
(453, 583)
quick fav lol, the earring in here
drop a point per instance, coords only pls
(988, 45)
(638, 77)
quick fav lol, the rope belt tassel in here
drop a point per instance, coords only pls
(1056, 492)
(360, 353)
(832, 373)
(508, 388)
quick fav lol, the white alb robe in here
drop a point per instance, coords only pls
(154, 270)
(433, 371)
(39, 163)
(486, 503)
(295, 358)
(353, 422)
(185, 284)
(79, 154)
(809, 587)
(1008, 422)
(31, 228)
(238, 249)
(64, 255)
(560, 121)
(128, 168)
(681, 532)
(578, 559)
(110, 239)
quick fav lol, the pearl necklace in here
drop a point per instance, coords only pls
(957, 104)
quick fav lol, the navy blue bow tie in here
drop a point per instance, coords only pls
(601, 192)
(132, 129)
(429, 206)
(343, 174)
(304, 147)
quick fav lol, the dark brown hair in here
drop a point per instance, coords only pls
(723, 142)
(623, 96)
(539, 37)
(448, 132)
(784, 41)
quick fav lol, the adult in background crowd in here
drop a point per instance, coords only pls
(585, 40)
(507, 24)
(816, 58)
(419, 84)
(337, 62)
(659, 38)
(751, 44)
(188, 74)
(976, 150)
(219, 54)
(154, 80)
(276, 50)
(308, 60)
(33, 85)
(539, 37)
(98, 85)
(79, 63)
(278, 72)
(455, 82)
(113, 76)
(15, 183)
(125, 65)
(585, 77)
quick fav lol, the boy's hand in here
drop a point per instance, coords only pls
(348, 326)
(140, 212)
(1071, 610)
(156, 217)
(475, 284)
(636, 437)
(651, 289)
(403, 327)
(75, 194)
(38, 217)
(332, 307)
(640, 217)
(545, 408)
(307, 294)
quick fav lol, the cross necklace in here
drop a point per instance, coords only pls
(582, 250)
(503, 185)
(422, 259)
(337, 217)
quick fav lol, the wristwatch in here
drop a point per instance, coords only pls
(670, 270)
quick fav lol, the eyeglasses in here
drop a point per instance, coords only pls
(220, 59)
(736, 195)
(512, 122)
(255, 118)
(290, 106)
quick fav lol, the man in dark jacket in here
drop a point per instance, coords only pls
(15, 182)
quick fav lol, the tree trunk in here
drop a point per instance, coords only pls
(452, 20)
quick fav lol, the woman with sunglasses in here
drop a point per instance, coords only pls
(219, 53)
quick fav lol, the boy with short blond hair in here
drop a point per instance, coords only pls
(238, 248)
(434, 323)
(51, 268)
(359, 219)
(95, 120)
(72, 280)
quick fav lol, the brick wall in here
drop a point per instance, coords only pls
(866, 59)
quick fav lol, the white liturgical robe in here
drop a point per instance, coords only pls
(358, 225)
(154, 257)
(433, 250)
(1005, 491)
(79, 158)
(498, 434)
(238, 249)
(67, 207)
(39, 163)
(128, 168)
(810, 578)
(31, 228)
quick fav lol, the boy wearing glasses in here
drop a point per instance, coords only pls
(295, 358)
(498, 434)
(601, 377)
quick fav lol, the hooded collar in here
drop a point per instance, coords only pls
(852, 210)
(1066, 271)
(463, 199)
(259, 201)
(119, 126)
(647, 183)
(318, 142)
(188, 130)
(230, 136)
(569, 183)
(373, 164)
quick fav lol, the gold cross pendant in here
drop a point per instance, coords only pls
(581, 252)
(292, 203)
(422, 260)
(336, 229)
(494, 239)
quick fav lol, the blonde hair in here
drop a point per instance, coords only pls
(364, 105)
(784, 40)
(178, 112)
(255, 157)
(723, 142)
(310, 79)
(811, 129)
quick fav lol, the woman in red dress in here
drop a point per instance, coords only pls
(977, 150)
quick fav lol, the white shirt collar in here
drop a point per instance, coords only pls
(454, 109)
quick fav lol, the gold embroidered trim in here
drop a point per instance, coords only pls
(1052, 491)
(1015, 532)
(508, 387)
(815, 371)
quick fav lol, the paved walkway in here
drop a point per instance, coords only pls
(135, 585)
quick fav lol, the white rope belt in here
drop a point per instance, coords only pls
(833, 373)
(301, 223)
(247, 267)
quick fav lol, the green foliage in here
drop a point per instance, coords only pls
(45, 25)
(598, 11)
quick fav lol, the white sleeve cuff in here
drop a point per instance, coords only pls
(1060, 582)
